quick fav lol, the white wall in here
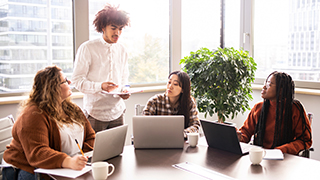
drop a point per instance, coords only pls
(309, 101)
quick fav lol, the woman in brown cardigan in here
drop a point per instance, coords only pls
(45, 131)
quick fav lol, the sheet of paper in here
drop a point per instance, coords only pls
(273, 154)
(4, 164)
(201, 171)
(64, 172)
(121, 93)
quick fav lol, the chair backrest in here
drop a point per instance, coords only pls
(306, 153)
(139, 109)
(310, 116)
(5, 135)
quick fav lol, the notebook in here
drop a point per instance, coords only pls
(158, 131)
(108, 143)
(224, 137)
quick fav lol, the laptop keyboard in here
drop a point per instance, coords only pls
(245, 147)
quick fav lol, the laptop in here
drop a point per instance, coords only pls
(108, 144)
(158, 131)
(224, 137)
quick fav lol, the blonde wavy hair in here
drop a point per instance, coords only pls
(46, 95)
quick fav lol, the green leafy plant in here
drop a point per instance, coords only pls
(221, 80)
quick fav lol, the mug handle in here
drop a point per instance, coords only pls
(264, 153)
(110, 165)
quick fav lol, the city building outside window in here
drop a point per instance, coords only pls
(34, 34)
(287, 38)
(27, 33)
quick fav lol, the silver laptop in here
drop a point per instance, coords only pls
(108, 143)
(223, 136)
(158, 131)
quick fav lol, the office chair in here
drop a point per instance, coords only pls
(138, 112)
(138, 109)
(306, 153)
(5, 135)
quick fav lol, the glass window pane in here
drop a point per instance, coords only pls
(146, 40)
(200, 25)
(34, 34)
(232, 24)
(288, 38)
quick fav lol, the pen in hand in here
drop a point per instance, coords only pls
(79, 147)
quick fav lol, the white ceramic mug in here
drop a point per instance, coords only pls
(193, 139)
(100, 170)
(256, 155)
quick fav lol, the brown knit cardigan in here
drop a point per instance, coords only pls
(36, 141)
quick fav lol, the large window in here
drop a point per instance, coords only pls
(202, 27)
(33, 34)
(281, 35)
(287, 38)
(146, 40)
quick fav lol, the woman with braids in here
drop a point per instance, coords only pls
(176, 101)
(280, 121)
(45, 131)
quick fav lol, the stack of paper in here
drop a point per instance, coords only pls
(64, 172)
(273, 154)
(131, 91)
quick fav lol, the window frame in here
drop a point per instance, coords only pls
(80, 12)
(247, 32)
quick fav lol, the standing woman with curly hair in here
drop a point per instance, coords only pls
(279, 121)
(45, 131)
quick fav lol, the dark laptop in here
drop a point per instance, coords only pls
(224, 137)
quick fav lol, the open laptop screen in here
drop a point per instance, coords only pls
(158, 131)
(223, 136)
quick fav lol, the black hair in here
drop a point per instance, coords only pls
(284, 102)
(110, 15)
(185, 97)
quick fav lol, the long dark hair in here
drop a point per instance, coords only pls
(185, 97)
(285, 100)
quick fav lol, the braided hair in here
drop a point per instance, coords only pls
(284, 102)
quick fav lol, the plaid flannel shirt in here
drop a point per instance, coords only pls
(160, 105)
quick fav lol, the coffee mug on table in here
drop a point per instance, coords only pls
(193, 139)
(256, 155)
(100, 170)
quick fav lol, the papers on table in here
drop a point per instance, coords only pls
(5, 165)
(201, 171)
(131, 91)
(64, 172)
(273, 154)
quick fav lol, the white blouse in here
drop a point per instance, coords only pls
(96, 62)
(68, 133)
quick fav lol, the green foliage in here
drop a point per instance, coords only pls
(221, 80)
(152, 64)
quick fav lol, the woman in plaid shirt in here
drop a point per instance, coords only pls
(176, 101)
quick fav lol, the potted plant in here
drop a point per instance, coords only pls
(221, 80)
